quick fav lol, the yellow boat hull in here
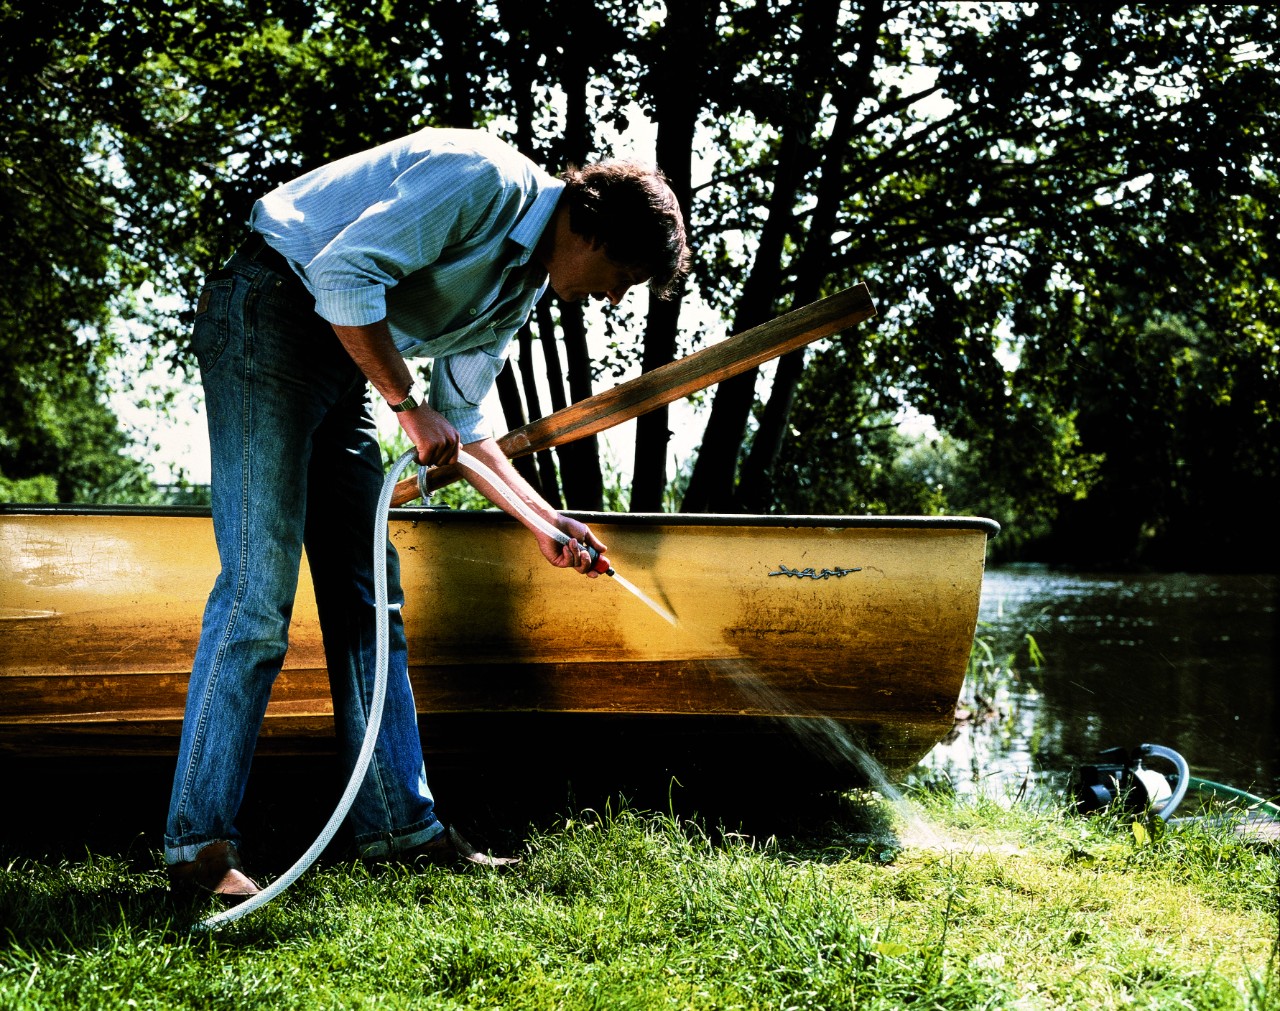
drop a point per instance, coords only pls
(792, 634)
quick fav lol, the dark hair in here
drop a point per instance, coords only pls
(629, 208)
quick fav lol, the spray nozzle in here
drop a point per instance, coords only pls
(599, 562)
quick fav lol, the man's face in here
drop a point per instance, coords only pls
(582, 270)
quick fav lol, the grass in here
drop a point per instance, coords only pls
(1021, 906)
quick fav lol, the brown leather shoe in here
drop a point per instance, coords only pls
(449, 847)
(216, 870)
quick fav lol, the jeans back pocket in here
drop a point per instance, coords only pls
(212, 325)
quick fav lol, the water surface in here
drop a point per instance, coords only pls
(1187, 661)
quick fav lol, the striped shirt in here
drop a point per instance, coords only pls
(434, 233)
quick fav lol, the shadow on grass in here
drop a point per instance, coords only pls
(74, 872)
(63, 808)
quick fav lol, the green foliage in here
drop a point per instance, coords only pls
(1016, 176)
(58, 232)
(617, 496)
(64, 445)
(1184, 412)
(41, 489)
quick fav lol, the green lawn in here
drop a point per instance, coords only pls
(1000, 907)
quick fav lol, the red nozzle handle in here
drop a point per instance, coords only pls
(599, 563)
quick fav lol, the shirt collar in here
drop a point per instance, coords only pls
(529, 228)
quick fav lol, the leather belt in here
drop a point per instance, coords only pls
(257, 249)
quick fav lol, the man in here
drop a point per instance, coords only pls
(437, 245)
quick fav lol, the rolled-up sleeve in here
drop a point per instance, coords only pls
(437, 202)
(429, 232)
(460, 383)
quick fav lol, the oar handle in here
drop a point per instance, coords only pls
(651, 390)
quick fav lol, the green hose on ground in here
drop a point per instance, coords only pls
(1221, 789)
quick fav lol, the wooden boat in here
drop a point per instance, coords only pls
(794, 635)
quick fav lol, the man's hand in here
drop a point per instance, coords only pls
(375, 354)
(436, 440)
(572, 555)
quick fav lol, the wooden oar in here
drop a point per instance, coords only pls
(730, 357)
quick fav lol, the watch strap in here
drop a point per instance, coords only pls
(414, 398)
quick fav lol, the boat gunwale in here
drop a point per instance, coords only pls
(417, 513)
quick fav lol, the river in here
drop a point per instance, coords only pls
(1186, 661)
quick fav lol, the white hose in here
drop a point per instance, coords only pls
(500, 486)
(381, 630)
(382, 633)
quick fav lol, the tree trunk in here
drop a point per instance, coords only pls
(676, 85)
(548, 480)
(513, 412)
(456, 23)
(712, 483)
(519, 18)
(580, 474)
(653, 434)
(755, 487)
(579, 461)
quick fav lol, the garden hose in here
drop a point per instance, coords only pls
(1253, 800)
(1184, 776)
(1121, 777)
(382, 633)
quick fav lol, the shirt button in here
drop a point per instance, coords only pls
(471, 311)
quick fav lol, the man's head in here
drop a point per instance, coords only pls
(624, 227)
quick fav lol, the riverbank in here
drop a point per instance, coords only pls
(962, 904)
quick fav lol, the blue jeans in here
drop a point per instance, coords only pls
(295, 461)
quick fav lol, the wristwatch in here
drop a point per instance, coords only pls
(414, 398)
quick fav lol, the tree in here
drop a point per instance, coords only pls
(783, 96)
(679, 61)
(58, 227)
(1031, 191)
(1056, 140)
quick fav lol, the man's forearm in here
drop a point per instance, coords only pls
(375, 354)
(488, 452)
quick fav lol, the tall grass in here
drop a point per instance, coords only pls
(1021, 908)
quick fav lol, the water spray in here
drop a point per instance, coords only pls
(599, 563)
